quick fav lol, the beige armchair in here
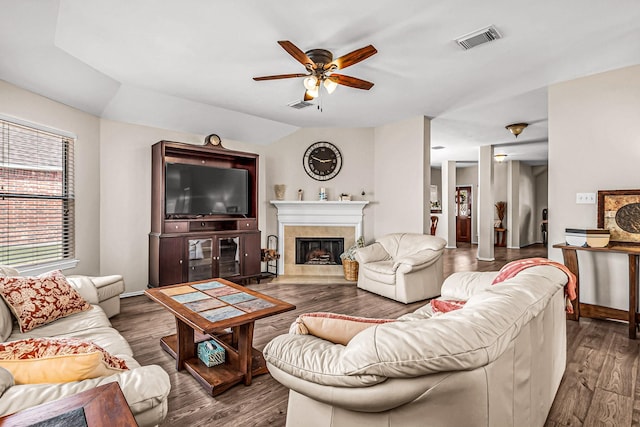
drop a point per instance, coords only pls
(405, 267)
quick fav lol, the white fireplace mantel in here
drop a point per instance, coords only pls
(318, 213)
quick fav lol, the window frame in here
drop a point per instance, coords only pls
(66, 259)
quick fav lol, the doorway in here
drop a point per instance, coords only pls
(463, 214)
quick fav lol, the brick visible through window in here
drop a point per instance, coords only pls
(36, 196)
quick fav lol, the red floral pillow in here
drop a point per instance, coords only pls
(57, 360)
(36, 301)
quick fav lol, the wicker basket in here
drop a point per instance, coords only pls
(350, 269)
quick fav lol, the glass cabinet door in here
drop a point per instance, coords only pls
(228, 257)
(200, 259)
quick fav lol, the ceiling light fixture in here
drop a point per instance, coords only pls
(330, 85)
(500, 157)
(321, 69)
(516, 128)
(310, 82)
(313, 92)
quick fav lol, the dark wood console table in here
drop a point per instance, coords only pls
(570, 256)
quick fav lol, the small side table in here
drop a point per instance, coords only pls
(570, 255)
(501, 236)
(104, 406)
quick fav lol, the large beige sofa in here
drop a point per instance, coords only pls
(146, 388)
(405, 267)
(497, 361)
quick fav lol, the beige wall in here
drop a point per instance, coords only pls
(283, 165)
(532, 198)
(527, 205)
(36, 109)
(593, 147)
(402, 177)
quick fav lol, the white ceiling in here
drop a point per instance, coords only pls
(188, 65)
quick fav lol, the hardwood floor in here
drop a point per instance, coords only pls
(600, 386)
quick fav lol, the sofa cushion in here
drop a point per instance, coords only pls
(57, 360)
(85, 288)
(108, 286)
(36, 301)
(337, 328)
(463, 285)
(371, 253)
(399, 245)
(6, 380)
(6, 321)
(381, 271)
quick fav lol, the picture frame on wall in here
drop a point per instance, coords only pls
(619, 212)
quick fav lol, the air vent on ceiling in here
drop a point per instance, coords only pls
(300, 104)
(478, 37)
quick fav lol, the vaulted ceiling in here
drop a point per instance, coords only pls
(188, 65)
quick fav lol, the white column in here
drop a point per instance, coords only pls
(513, 204)
(448, 202)
(485, 204)
(426, 175)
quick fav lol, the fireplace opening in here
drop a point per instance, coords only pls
(319, 250)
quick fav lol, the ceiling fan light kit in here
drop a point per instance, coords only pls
(321, 68)
(330, 85)
(516, 128)
(310, 82)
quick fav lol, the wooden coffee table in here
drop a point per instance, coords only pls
(208, 309)
(103, 406)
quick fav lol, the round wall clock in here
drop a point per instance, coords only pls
(322, 161)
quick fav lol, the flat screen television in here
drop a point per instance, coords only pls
(194, 190)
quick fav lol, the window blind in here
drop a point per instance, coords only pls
(36, 196)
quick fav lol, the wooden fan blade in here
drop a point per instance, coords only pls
(299, 55)
(279, 76)
(351, 81)
(352, 58)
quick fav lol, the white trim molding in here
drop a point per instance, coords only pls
(33, 270)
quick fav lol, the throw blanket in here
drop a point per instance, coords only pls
(514, 267)
(511, 270)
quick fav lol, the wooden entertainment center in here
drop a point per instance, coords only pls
(187, 248)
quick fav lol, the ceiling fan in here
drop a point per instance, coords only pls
(321, 68)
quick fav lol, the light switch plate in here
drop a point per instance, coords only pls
(586, 198)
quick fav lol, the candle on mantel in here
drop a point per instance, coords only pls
(323, 194)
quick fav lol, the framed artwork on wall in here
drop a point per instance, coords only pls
(619, 212)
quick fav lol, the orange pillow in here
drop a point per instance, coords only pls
(337, 328)
(57, 360)
(36, 301)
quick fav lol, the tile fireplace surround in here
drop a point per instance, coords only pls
(315, 219)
